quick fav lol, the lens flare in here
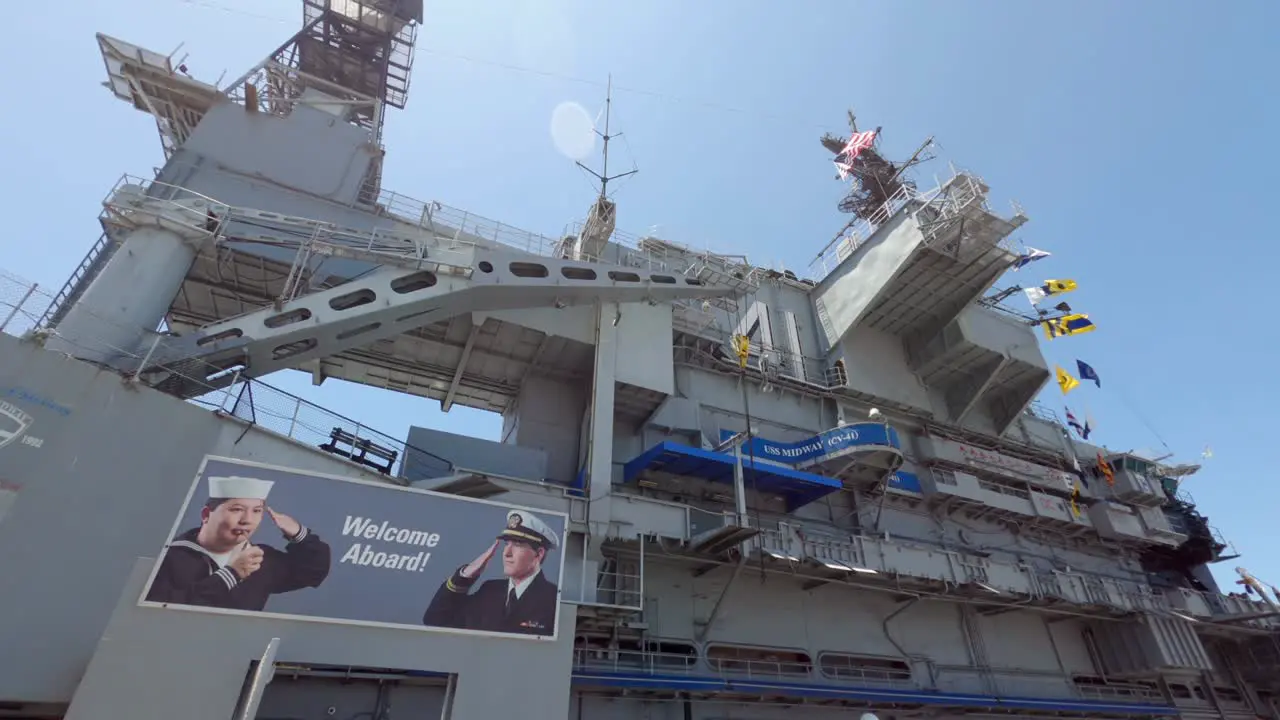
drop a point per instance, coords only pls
(572, 130)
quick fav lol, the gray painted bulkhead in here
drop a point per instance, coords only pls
(95, 504)
(100, 493)
(114, 429)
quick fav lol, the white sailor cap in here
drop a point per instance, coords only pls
(221, 488)
(524, 526)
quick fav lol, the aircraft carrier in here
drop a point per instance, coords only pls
(832, 494)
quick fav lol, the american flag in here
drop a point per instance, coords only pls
(1082, 430)
(852, 149)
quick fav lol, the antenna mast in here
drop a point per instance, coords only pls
(603, 216)
(874, 178)
(603, 176)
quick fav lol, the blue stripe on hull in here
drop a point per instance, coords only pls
(586, 678)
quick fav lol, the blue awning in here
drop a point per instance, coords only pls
(798, 487)
(585, 677)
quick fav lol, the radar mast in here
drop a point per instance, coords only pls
(351, 58)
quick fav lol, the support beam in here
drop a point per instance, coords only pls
(599, 481)
(988, 376)
(447, 403)
(128, 299)
(392, 300)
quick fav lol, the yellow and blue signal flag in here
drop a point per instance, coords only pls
(1067, 325)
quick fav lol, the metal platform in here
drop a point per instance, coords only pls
(260, 260)
(149, 82)
(964, 251)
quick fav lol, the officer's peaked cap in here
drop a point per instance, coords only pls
(524, 526)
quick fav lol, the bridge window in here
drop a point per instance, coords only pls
(663, 279)
(944, 477)
(623, 276)
(1004, 489)
(842, 666)
(1229, 695)
(1186, 692)
(1131, 464)
(759, 661)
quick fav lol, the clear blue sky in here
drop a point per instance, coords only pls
(1138, 135)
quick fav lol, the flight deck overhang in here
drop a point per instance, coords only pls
(259, 260)
(983, 358)
(934, 255)
(151, 83)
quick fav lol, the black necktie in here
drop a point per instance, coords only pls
(511, 599)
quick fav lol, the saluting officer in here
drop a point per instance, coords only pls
(523, 602)
(215, 565)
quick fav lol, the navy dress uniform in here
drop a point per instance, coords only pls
(527, 607)
(193, 575)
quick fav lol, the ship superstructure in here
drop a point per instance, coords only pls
(826, 496)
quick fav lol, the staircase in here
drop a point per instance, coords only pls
(75, 285)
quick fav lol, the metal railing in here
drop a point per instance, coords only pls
(23, 304)
(866, 676)
(861, 231)
(467, 227)
(80, 278)
(429, 215)
(948, 201)
(1040, 411)
(419, 224)
(1001, 682)
(778, 538)
(627, 250)
(1006, 682)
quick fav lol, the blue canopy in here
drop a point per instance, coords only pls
(798, 487)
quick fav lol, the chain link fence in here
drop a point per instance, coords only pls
(23, 304)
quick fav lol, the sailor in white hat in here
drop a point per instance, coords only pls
(216, 565)
(525, 601)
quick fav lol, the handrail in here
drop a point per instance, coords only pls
(954, 678)
(23, 303)
(950, 199)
